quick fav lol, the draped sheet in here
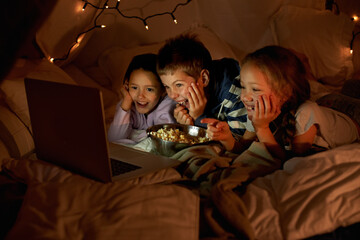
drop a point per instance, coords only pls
(308, 196)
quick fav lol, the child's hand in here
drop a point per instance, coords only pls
(266, 111)
(182, 116)
(127, 100)
(197, 100)
(219, 131)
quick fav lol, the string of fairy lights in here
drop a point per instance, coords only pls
(114, 6)
(354, 34)
(333, 6)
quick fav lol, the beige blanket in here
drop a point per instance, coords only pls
(309, 196)
(59, 204)
(62, 205)
(218, 175)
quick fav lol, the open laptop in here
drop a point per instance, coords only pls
(69, 130)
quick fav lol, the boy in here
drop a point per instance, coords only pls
(202, 87)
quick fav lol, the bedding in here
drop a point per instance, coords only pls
(3, 150)
(62, 205)
(310, 196)
(213, 193)
(14, 135)
(320, 34)
(317, 194)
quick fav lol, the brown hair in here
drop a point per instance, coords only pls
(287, 77)
(184, 52)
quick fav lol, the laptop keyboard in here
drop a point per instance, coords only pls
(119, 167)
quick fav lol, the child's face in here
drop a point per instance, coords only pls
(177, 86)
(254, 84)
(145, 90)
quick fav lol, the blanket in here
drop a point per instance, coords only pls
(310, 196)
(218, 174)
(245, 196)
(251, 196)
(61, 205)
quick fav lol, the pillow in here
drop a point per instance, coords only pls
(14, 134)
(317, 4)
(4, 153)
(115, 61)
(342, 103)
(322, 36)
(14, 89)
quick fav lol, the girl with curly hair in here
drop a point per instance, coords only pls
(276, 92)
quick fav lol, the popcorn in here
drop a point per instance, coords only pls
(175, 135)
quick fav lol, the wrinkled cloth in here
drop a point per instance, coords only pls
(218, 175)
(61, 205)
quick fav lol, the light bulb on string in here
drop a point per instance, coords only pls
(174, 19)
(84, 6)
(352, 41)
(117, 3)
(146, 26)
(80, 37)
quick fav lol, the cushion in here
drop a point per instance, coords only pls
(351, 88)
(322, 36)
(342, 103)
(14, 135)
(14, 89)
(4, 153)
(115, 61)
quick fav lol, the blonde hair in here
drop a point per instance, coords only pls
(287, 77)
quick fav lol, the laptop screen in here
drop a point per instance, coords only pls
(68, 127)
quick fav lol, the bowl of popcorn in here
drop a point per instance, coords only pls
(168, 139)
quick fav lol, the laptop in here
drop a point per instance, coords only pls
(69, 130)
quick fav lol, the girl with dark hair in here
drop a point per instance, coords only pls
(144, 102)
(275, 92)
